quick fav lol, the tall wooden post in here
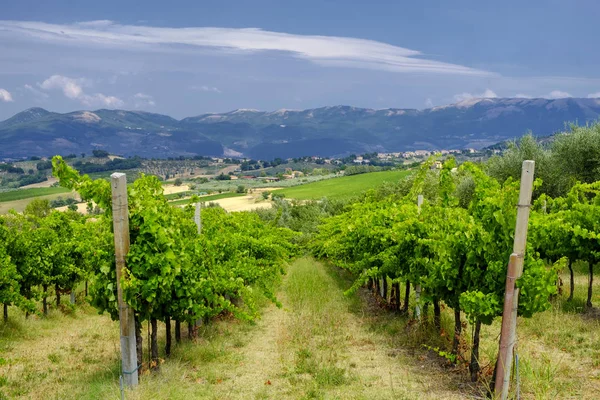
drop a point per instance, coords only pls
(198, 221)
(515, 270)
(126, 317)
(418, 286)
(198, 217)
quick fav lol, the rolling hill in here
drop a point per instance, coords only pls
(325, 131)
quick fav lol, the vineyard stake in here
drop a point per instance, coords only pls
(198, 217)
(126, 318)
(198, 221)
(418, 287)
(511, 302)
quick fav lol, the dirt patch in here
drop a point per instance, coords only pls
(51, 181)
(170, 189)
(244, 203)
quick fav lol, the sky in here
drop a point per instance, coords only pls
(186, 58)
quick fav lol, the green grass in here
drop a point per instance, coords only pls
(21, 194)
(178, 195)
(342, 187)
(212, 197)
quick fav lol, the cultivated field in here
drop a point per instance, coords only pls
(342, 187)
(18, 199)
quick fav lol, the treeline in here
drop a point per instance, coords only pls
(116, 164)
(570, 157)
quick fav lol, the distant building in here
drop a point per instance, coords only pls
(422, 153)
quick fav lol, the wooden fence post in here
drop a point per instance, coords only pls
(129, 365)
(418, 286)
(511, 300)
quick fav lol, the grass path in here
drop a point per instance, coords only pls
(317, 347)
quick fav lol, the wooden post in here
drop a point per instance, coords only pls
(198, 221)
(198, 217)
(129, 365)
(418, 286)
(511, 305)
(72, 296)
(506, 320)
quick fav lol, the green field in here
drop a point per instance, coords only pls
(342, 187)
(208, 198)
(21, 194)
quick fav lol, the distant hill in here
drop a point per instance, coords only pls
(325, 131)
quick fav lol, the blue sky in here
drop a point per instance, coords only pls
(186, 58)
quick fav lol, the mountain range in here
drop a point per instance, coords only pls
(326, 131)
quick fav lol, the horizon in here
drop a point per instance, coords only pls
(465, 101)
(185, 58)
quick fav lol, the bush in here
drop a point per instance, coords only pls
(223, 177)
(100, 153)
(178, 182)
(241, 189)
(43, 165)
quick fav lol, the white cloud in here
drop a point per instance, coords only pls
(205, 88)
(593, 95)
(557, 94)
(102, 100)
(70, 87)
(488, 94)
(323, 50)
(143, 100)
(73, 89)
(5, 95)
(428, 103)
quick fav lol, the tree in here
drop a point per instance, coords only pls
(576, 154)
(240, 189)
(38, 208)
(178, 182)
(100, 153)
(508, 165)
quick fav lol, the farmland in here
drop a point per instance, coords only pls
(18, 199)
(207, 198)
(343, 187)
(30, 193)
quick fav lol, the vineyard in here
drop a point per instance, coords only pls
(432, 249)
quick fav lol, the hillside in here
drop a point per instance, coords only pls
(325, 131)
